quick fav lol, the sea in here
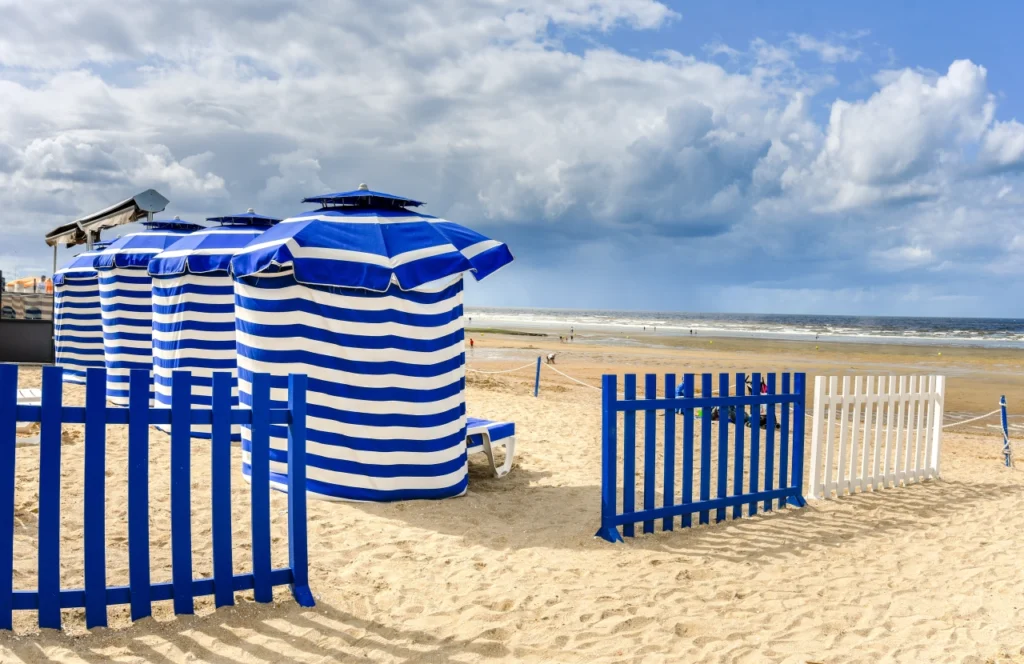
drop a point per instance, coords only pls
(981, 332)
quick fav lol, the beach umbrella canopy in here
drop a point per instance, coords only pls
(364, 297)
(126, 300)
(77, 325)
(194, 308)
(136, 249)
(371, 240)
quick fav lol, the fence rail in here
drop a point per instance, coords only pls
(770, 475)
(888, 432)
(49, 598)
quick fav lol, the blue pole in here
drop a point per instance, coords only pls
(1006, 433)
(536, 381)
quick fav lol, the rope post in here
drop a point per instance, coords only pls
(1007, 454)
(536, 380)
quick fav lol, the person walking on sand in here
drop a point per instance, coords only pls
(551, 358)
(471, 343)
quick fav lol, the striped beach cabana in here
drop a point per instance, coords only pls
(126, 300)
(194, 308)
(364, 296)
(77, 326)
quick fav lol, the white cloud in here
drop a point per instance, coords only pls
(1003, 146)
(828, 51)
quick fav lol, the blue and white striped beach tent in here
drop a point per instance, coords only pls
(364, 296)
(126, 300)
(194, 308)
(77, 326)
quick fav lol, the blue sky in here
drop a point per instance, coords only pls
(860, 158)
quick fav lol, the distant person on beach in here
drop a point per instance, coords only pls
(551, 358)
(471, 343)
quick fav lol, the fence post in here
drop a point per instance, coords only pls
(1007, 454)
(609, 457)
(8, 434)
(939, 415)
(536, 380)
(181, 491)
(298, 553)
(49, 498)
(799, 411)
(93, 518)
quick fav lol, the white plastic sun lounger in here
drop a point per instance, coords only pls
(482, 435)
(28, 397)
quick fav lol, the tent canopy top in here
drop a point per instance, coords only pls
(364, 196)
(132, 209)
(248, 218)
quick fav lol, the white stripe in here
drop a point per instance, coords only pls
(345, 327)
(364, 482)
(349, 353)
(479, 248)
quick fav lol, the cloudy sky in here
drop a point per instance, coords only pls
(749, 157)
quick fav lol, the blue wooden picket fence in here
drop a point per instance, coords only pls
(776, 481)
(50, 598)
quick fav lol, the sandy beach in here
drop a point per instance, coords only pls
(512, 572)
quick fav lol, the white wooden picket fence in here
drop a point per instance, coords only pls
(876, 436)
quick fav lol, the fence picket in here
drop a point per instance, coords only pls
(629, 455)
(880, 415)
(650, 392)
(138, 494)
(220, 489)
(94, 501)
(858, 400)
(796, 496)
(723, 446)
(784, 440)
(181, 491)
(737, 471)
(688, 415)
(8, 442)
(924, 385)
(705, 448)
(609, 459)
(297, 545)
(934, 463)
(844, 431)
(755, 445)
(830, 416)
(49, 498)
(867, 450)
(260, 490)
(669, 484)
(769, 445)
(817, 445)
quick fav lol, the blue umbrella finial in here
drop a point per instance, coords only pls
(363, 187)
(250, 211)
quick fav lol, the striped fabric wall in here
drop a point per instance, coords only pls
(126, 302)
(78, 328)
(194, 313)
(387, 417)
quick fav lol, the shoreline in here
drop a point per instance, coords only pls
(477, 319)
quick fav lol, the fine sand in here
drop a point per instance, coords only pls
(512, 572)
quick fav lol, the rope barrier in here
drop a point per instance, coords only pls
(571, 378)
(492, 373)
(973, 419)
